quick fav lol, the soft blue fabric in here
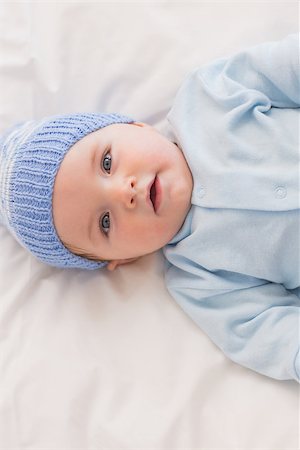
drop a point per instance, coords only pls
(234, 266)
(30, 156)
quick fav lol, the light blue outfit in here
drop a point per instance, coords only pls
(234, 265)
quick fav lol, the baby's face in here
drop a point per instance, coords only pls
(102, 193)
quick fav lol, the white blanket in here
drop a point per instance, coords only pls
(100, 360)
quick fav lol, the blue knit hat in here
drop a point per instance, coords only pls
(30, 156)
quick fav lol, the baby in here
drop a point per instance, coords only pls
(219, 195)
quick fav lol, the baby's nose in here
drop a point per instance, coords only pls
(127, 193)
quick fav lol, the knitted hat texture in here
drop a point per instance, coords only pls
(30, 156)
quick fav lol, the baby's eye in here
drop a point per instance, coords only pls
(105, 223)
(106, 162)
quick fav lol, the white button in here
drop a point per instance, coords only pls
(280, 192)
(200, 192)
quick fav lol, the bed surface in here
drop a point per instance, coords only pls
(107, 360)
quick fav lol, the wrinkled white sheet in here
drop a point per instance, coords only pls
(97, 360)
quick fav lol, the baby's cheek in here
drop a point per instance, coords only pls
(144, 236)
(159, 234)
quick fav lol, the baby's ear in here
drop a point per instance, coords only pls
(118, 262)
(140, 124)
(145, 125)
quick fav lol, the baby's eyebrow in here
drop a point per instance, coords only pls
(93, 158)
(90, 228)
(80, 252)
(90, 256)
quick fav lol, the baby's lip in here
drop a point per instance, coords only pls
(148, 197)
(158, 194)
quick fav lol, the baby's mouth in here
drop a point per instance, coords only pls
(153, 193)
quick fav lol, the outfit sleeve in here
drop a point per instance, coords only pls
(271, 69)
(255, 325)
